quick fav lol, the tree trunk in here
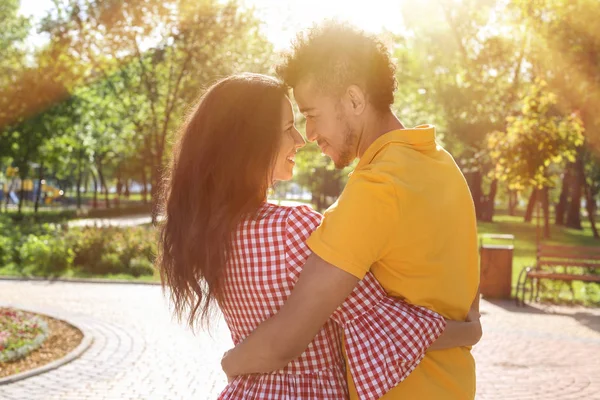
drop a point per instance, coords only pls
(103, 183)
(155, 192)
(546, 209)
(39, 192)
(117, 200)
(9, 188)
(86, 183)
(561, 206)
(591, 208)
(22, 199)
(530, 205)
(79, 178)
(574, 210)
(488, 205)
(474, 182)
(95, 179)
(513, 200)
(144, 185)
(127, 193)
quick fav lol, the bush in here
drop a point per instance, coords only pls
(111, 250)
(45, 255)
(109, 263)
(45, 216)
(6, 250)
(141, 266)
(54, 249)
(89, 245)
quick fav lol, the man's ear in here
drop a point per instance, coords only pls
(357, 99)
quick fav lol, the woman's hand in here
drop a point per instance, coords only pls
(461, 334)
(230, 378)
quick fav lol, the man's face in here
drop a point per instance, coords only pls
(327, 123)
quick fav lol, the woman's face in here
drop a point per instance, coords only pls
(291, 141)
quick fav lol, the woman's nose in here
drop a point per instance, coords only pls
(298, 139)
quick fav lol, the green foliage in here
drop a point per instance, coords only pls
(34, 249)
(141, 266)
(45, 254)
(113, 250)
(104, 96)
(317, 173)
(536, 140)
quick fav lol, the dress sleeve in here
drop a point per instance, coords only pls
(300, 224)
(385, 338)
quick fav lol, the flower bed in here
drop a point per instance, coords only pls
(20, 334)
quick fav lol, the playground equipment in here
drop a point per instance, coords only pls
(28, 188)
(50, 193)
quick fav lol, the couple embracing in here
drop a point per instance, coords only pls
(378, 297)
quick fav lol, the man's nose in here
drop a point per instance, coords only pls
(311, 135)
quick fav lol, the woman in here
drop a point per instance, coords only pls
(221, 242)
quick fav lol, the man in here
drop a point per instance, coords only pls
(406, 214)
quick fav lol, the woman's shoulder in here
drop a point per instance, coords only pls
(293, 213)
(285, 217)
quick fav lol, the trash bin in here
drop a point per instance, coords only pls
(496, 266)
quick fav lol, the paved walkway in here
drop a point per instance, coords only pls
(117, 221)
(140, 353)
(135, 220)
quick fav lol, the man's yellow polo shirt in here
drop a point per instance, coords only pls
(406, 214)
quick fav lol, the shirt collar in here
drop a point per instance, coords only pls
(421, 137)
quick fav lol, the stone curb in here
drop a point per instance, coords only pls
(76, 280)
(86, 342)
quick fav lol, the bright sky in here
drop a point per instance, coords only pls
(283, 18)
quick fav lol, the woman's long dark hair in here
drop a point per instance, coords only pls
(220, 171)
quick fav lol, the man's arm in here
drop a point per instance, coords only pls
(320, 289)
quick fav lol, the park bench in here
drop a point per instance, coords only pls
(559, 263)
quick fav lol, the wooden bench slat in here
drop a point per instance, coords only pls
(568, 254)
(564, 256)
(591, 251)
(568, 263)
(566, 247)
(563, 277)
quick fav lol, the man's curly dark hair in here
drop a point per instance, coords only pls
(337, 55)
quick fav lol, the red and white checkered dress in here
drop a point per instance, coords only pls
(385, 338)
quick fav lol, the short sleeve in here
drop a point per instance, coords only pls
(300, 224)
(356, 230)
(385, 338)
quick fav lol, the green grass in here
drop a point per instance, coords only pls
(12, 271)
(59, 213)
(525, 249)
(111, 196)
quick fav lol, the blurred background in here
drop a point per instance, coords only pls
(91, 93)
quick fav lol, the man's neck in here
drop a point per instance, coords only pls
(376, 126)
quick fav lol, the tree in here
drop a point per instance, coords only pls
(565, 41)
(157, 55)
(317, 173)
(13, 32)
(470, 72)
(536, 141)
(592, 188)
